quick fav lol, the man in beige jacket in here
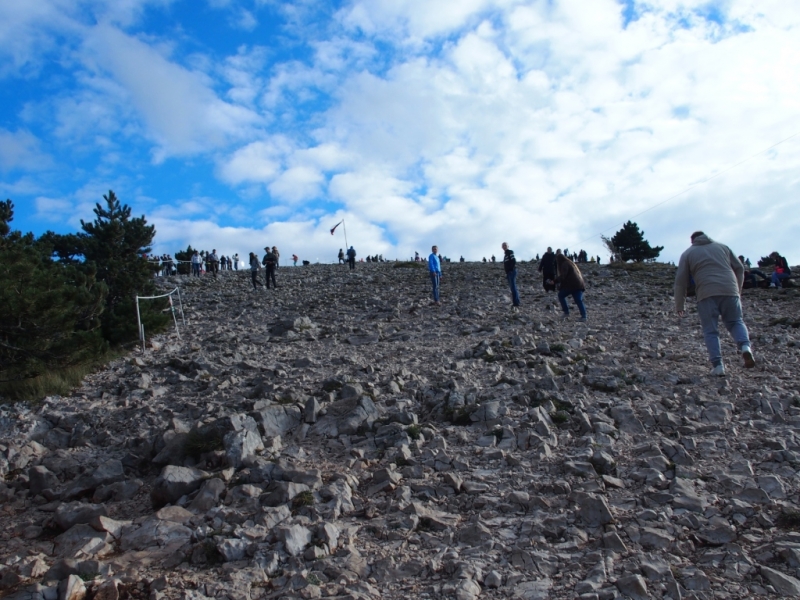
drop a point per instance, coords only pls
(718, 277)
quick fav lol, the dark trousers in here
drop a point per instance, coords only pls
(270, 274)
(352, 262)
(512, 283)
(254, 278)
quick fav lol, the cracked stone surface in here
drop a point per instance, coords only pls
(340, 437)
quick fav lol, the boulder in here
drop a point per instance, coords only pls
(175, 482)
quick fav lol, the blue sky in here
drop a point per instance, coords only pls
(233, 124)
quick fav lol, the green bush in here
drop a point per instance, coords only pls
(49, 311)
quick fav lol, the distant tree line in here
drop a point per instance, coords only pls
(66, 300)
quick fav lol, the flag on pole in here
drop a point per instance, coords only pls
(335, 226)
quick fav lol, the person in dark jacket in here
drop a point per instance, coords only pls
(351, 257)
(547, 267)
(750, 275)
(270, 262)
(781, 270)
(570, 284)
(510, 267)
(254, 266)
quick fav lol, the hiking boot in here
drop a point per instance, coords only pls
(718, 371)
(582, 319)
(749, 360)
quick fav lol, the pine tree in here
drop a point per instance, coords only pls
(115, 245)
(630, 244)
(183, 260)
(49, 311)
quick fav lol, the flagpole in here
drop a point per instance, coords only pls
(344, 226)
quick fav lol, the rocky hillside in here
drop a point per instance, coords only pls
(341, 438)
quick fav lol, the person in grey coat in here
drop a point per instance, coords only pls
(718, 276)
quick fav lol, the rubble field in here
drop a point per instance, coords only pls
(340, 437)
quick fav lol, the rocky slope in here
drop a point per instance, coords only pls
(340, 438)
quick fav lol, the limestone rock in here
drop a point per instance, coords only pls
(175, 482)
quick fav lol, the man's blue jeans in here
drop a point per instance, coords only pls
(577, 296)
(730, 309)
(435, 284)
(512, 283)
(778, 277)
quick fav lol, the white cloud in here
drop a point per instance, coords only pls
(245, 20)
(21, 149)
(414, 20)
(54, 209)
(297, 184)
(258, 162)
(179, 107)
(461, 123)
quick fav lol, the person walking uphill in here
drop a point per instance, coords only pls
(213, 262)
(435, 270)
(351, 258)
(718, 276)
(510, 267)
(197, 261)
(547, 267)
(570, 284)
(254, 266)
(270, 262)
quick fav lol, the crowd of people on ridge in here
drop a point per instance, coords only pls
(710, 268)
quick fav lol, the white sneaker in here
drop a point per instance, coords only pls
(772, 285)
(718, 371)
(749, 359)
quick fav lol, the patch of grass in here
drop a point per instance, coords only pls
(461, 417)
(302, 499)
(199, 442)
(89, 576)
(57, 382)
(789, 520)
(409, 264)
(313, 579)
(559, 417)
(332, 385)
(558, 348)
(414, 432)
(213, 556)
(13, 474)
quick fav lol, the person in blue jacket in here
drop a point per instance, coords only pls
(435, 270)
(510, 267)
